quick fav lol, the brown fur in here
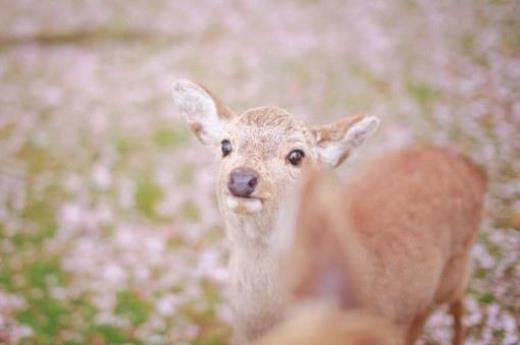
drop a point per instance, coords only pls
(404, 227)
(326, 325)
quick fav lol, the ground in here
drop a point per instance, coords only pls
(109, 231)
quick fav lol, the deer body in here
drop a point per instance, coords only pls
(400, 231)
(416, 213)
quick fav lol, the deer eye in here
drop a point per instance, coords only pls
(226, 147)
(295, 157)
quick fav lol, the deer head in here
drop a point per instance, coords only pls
(263, 150)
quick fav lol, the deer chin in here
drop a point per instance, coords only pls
(243, 206)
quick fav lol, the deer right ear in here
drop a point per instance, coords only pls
(204, 113)
(336, 141)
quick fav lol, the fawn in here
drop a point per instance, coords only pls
(412, 215)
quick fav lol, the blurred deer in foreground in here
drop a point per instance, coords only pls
(322, 282)
(394, 241)
(413, 215)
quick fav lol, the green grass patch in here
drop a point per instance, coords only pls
(126, 145)
(165, 137)
(133, 307)
(38, 159)
(5, 275)
(46, 316)
(40, 212)
(39, 272)
(147, 195)
(49, 317)
(212, 340)
(423, 93)
(480, 273)
(106, 334)
(185, 175)
(486, 298)
(191, 212)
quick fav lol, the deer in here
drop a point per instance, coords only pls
(263, 152)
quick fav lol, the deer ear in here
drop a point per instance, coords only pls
(204, 112)
(337, 140)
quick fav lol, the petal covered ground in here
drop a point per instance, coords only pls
(109, 231)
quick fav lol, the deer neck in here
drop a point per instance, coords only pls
(248, 233)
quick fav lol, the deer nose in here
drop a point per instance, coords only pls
(242, 182)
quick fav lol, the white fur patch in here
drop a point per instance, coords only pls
(243, 205)
(361, 130)
(333, 153)
(199, 109)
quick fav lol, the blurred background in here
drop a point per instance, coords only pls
(109, 231)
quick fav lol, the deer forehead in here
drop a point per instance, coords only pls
(264, 129)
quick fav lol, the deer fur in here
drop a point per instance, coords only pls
(321, 280)
(261, 139)
(326, 324)
(395, 240)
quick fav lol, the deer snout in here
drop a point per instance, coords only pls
(242, 182)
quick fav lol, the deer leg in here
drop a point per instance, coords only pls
(416, 327)
(457, 312)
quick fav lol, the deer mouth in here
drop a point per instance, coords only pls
(243, 205)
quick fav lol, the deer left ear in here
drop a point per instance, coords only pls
(336, 141)
(204, 112)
